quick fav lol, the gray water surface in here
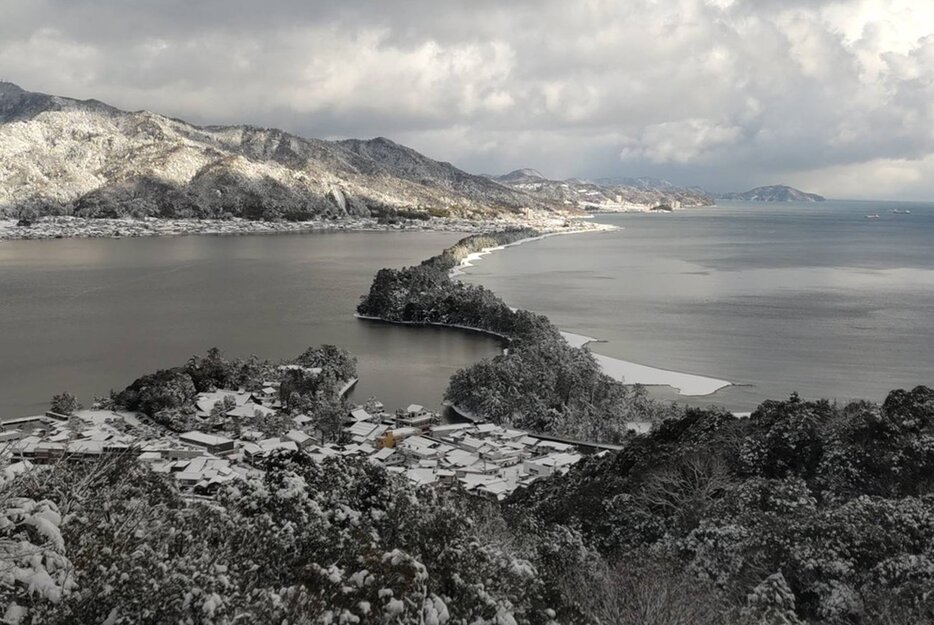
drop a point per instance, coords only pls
(90, 315)
(813, 298)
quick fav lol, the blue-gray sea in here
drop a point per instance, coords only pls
(813, 298)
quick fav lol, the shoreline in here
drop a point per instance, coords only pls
(430, 324)
(348, 386)
(68, 227)
(625, 371)
(467, 260)
(687, 384)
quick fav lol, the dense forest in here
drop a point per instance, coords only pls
(806, 512)
(540, 383)
(810, 511)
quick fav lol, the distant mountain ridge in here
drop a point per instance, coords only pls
(773, 193)
(608, 194)
(65, 156)
(520, 175)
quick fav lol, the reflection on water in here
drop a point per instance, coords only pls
(89, 315)
(811, 298)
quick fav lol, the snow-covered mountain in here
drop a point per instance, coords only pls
(64, 156)
(610, 194)
(773, 193)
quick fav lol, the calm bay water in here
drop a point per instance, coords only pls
(89, 315)
(813, 298)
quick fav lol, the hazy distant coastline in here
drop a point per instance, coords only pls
(79, 227)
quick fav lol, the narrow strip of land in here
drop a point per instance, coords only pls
(628, 372)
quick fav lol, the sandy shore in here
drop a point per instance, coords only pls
(686, 384)
(468, 260)
(579, 340)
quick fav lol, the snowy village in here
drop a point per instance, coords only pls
(483, 458)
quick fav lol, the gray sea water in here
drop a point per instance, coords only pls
(813, 298)
(90, 315)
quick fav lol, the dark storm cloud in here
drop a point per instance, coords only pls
(836, 96)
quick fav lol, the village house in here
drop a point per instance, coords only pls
(206, 402)
(213, 444)
(250, 410)
(299, 438)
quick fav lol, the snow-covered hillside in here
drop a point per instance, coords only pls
(608, 194)
(65, 156)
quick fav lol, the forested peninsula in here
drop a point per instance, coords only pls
(540, 383)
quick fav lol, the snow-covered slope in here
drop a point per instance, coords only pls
(65, 156)
(606, 193)
(774, 193)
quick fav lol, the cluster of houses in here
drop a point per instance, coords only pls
(483, 458)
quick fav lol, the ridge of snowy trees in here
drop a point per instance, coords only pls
(827, 509)
(342, 541)
(541, 383)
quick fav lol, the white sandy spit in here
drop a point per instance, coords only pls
(468, 260)
(579, 340)
(686, 384)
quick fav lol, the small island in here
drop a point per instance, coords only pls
(773, 193)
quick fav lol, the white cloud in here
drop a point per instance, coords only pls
(685, 141)
(721, 93)
(873, 179)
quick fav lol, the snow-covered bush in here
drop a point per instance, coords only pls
(33, 565)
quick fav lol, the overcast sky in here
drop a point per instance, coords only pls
(832, 97)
